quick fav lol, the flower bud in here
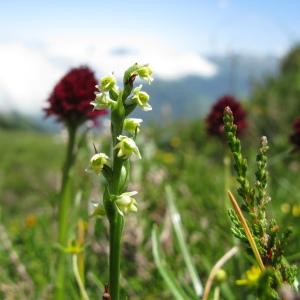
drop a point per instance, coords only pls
(98, 161)
(127, 147)
(126, 202)
(102, 101)
(221, 276)
(141, 98)
(132, 125)
(107, 83)
(99, 211)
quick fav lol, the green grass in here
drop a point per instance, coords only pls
(182, 156)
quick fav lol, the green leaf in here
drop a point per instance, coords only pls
(179, 232)
(164, 270)
(96, 281)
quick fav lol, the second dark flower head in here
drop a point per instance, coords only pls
(214, 120)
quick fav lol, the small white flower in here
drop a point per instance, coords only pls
(98, 161)
(145, 73)
(126, 202)
(107, 83)
(141, 98)
(132, 125)
(102, 101)
(127, 147)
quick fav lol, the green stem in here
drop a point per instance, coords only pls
(115, 236)
(227, 173)
(116, 220)
(70, 155)
(217, 293)
(63, 212)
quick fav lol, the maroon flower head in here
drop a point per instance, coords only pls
(71, 97)
(295, 136)
(214, 119)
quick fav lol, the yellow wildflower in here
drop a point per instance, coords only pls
(285, 208)
(175, 142)
(296, 210)
(251, 277)
(73, 247)
(167, 158)
(30, 220)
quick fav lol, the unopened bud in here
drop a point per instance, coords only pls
(221, 276)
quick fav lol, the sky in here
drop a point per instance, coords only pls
(41, 40)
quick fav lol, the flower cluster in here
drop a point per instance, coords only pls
(108, 93)
(295, 136)
(214, 119)
(71, 97)
(121, 102)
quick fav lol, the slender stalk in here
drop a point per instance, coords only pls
(219, 264)
(81, 240)
(217, 293)
(115, 199)
(116, 221)
(69, 158)
(115, 231)
(78, 277)
(63, 212)
(227, 172)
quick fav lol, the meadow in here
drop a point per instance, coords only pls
(180, 155)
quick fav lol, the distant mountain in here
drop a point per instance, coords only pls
(192, 96)
(16, 121)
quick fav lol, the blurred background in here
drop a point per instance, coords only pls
(199, 51)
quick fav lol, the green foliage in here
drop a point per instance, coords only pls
(170, 279)
(270, 243)
(271, 98)
(179, 154)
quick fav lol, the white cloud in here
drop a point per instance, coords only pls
(27, 73)
(26, 76)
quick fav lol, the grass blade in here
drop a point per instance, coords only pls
(164, 270)
(179, 232)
